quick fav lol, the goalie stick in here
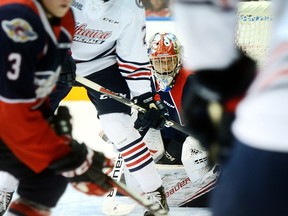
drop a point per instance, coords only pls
(96, 87)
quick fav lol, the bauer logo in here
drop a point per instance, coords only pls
(178, 187)
(19, 30)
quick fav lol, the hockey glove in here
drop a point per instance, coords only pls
(61, 122)
(156, 114)
(68, 72)
(83, 168)
(225, 86)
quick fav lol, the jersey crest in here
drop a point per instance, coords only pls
(90, 36)
(19, 30)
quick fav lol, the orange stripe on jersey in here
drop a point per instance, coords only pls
(133, 150)
(128, 66)
(148, 73)
(28, 3)
(139, 160)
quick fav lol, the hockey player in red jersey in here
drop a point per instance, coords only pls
(109, 49)
(36, 145)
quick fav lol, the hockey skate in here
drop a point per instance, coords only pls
(159, 197)
(5, 199)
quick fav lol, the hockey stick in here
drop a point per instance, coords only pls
(154, 208)
(96, 87)
(110, 207)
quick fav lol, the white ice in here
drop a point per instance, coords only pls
(73, 203)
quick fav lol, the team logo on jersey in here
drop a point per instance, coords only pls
(19, 30)
(139, 3)
(45, 82)
(90, 36)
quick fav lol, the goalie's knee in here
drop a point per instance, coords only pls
(194, 159)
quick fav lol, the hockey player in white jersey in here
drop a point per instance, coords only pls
(254, 178)
(109, 49)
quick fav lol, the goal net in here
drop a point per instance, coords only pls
(254, 28)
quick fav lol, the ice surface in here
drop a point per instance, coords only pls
(73, 203)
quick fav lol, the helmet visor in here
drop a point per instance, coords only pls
(164, 65)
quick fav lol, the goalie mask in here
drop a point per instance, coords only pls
(165, 51)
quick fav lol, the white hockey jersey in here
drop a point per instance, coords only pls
(112, 31)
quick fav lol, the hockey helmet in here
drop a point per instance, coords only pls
(165, 54)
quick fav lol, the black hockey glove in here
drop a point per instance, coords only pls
(156, 114)
(83, 168)
(225, 86)
(61, 122)
(68, 72)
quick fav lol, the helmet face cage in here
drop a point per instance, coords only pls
(164, 52)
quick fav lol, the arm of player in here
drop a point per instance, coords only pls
(132, 51)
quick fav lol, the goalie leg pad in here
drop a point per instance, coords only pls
(194, 159)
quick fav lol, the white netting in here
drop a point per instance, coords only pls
(254, 28)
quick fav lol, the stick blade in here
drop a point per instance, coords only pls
(117, 209)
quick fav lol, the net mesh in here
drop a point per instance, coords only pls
(254, 28)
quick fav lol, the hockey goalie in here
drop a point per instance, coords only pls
(183, 163)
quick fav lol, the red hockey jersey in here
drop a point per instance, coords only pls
(32, 51)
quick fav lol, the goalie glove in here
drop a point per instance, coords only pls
(83, 168)
(156, 114)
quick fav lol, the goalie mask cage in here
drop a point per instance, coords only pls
(253, 28)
